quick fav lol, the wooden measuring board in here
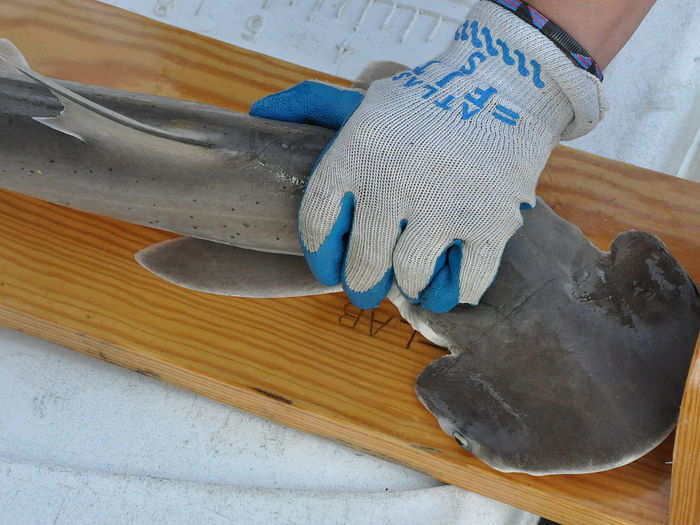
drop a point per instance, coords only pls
(310, 363)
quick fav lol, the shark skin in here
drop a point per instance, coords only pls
(574, 361)
(183, 167)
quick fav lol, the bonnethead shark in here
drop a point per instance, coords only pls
(574, 361)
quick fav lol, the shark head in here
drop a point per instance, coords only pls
(575, 360)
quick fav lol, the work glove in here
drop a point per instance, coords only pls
(424, 182)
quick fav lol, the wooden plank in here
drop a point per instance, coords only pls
(70, 277)
(685, 484)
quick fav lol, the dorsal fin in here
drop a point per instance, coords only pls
(14, 58)
(75, 104)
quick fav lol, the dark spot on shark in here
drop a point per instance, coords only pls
(246, 225)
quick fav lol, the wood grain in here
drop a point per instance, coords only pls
(685, 485)
(70, 277)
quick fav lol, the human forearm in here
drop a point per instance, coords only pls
(601, 26)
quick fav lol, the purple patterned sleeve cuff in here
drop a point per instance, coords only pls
(563, 40)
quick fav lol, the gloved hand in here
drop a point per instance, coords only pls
(426, 178)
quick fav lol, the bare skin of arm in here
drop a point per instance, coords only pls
(601, 26)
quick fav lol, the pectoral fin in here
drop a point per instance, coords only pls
(220, 269)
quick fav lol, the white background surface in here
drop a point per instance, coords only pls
(84, 442)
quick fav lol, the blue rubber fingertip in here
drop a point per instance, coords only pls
(442, 294)
(311, 103)
(326, 263)
(292, 105)
(412, 300)
(341, 107)
(372, 297)
(439, 265)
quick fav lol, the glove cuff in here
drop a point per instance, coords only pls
(578, 54)
(536, 62)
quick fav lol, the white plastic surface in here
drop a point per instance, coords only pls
(84, 442)
(43, 494)
(335, 36)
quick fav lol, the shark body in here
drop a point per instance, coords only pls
(574, 361)
(188, 168)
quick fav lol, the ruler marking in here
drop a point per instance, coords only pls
(368, 6)
(409, 27)
(389, 16)
(435, 30)
(162, 8)
(341, 8)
